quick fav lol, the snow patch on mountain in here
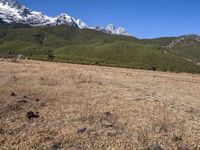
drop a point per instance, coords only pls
(13, 12)
(81, 24)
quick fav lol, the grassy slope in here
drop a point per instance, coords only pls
(92, 47)
(191, 52)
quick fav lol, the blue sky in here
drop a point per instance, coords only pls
(141, 18)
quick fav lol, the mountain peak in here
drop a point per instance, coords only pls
(113, 30)
(81, 24)
(110, 27)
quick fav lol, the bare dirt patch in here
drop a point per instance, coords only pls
(63, 106)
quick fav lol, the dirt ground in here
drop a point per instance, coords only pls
(79, 107)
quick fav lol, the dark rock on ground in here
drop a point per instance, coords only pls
(37, 99)
(31, 115)
(107, 125)
(22, 101)
(24, 96)
(2, 142)
(176, 138)
(43, 104)
(108, 113)
(12, 94)
(81, 130)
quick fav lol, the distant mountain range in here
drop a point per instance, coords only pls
(12, 11)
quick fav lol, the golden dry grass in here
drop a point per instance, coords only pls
(120, 109)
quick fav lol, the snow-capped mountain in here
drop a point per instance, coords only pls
(113, 30)
(12, 11)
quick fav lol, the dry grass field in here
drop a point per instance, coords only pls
(97, 108)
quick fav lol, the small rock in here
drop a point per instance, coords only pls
(190, 110)
(2, 142)
(37, 99)
(81, 130)
(49, 138)
(22, 101)
(176, 138)
(18, 141)
(111, 133)
(31, 115)
(107, 125)
(24, 96)
(12, 94)
(43, 104)
(108, 113)
(155, 147)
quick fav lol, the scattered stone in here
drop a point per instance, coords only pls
(57, 146)
(31, 115)
(111, 132)
(43, 104)
(37, 99)
(176, 138)
(24, 96)
(2, 142)
(107, 125)
(155, 147)
(49, 138)
(22, 101)
(12, 94)
(81, 130)
(18, 141)
(108, 113)
(163, 127)
(190, 110)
